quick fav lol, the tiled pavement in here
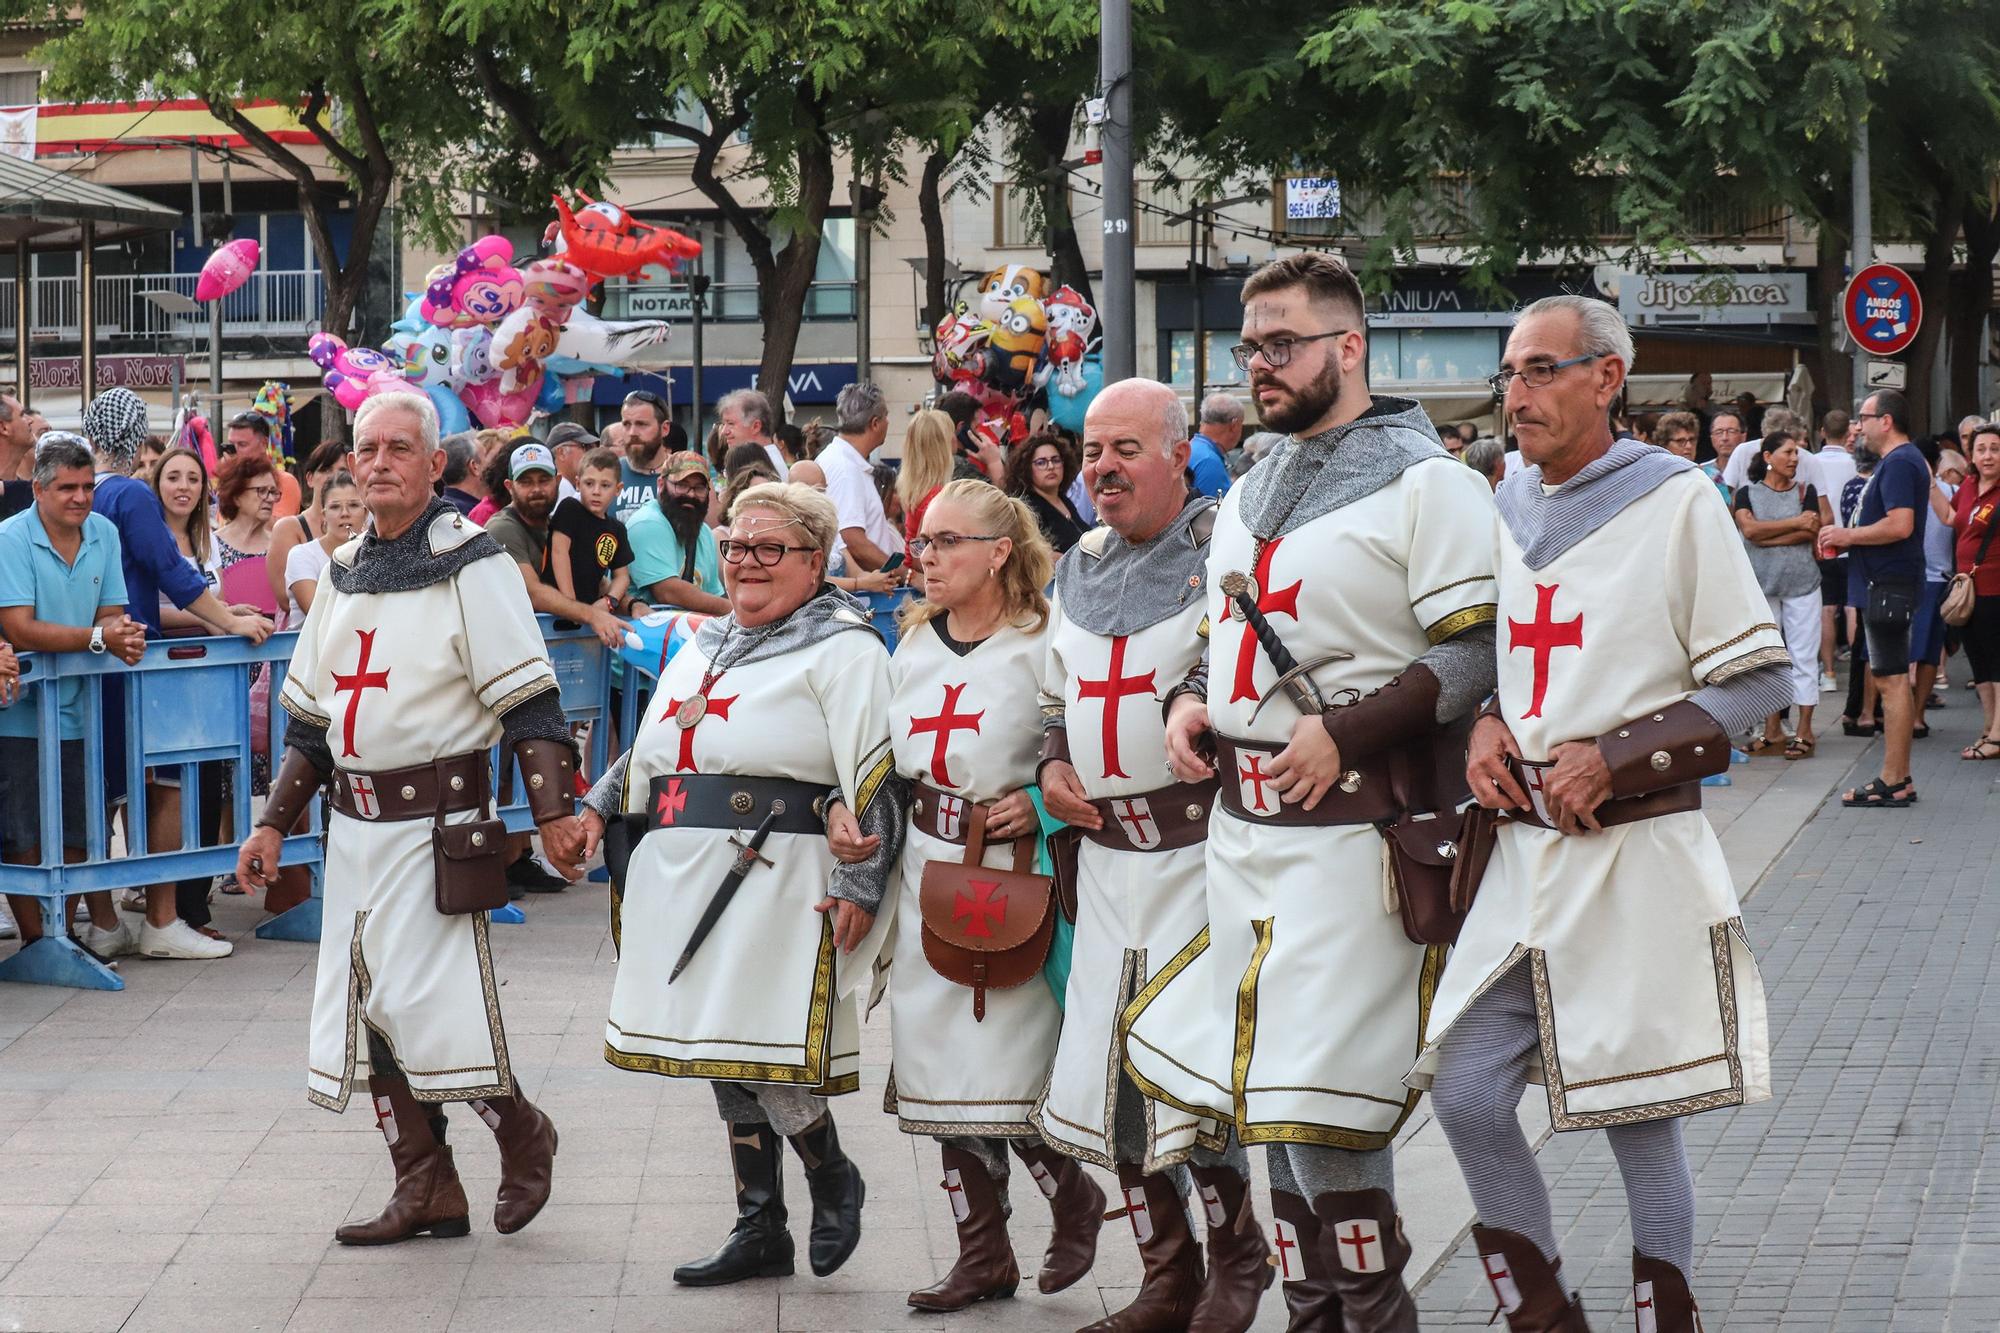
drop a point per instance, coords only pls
(1859, 1197)
(160, 1168)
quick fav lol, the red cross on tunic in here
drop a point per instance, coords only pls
(672, 801)
(1360, 1240)
(716, 708)
(981, 911)
(364, 795)
(1115, 686)
(1253, 772)
(353, 685)
(1285, 1243)
(1136, 818)
(1272, 602)
(1544, 634)
(941, 724)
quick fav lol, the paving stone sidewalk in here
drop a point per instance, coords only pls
(1859, 1197)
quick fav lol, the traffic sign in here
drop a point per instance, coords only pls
(1882, 309)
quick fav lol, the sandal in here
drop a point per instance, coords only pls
(1849, 727)
(1760, 744)
(1880, 795)
(1800, 747)
(1920, 732)
(1981, 750)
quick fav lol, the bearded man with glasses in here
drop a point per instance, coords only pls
(1357, 550)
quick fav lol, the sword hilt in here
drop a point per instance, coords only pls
(1296, 684)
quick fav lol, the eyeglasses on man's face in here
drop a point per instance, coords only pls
(1277, 353)
(1538, 375)
(766, 554)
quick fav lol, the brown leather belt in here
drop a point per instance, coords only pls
(1160, 820)
(397, 794)
(1673, 800)
(1362, 795)
(939, 813)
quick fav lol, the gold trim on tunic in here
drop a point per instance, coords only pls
(1458, 622)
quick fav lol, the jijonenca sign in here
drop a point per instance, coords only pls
(130, 372)
(1721, 297)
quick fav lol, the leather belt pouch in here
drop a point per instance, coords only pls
(1424, 848)
(469, 861)
(982, 928)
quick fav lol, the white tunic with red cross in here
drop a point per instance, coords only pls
(971, 727)
(1136, 910)
(1648, 998)
(400, 679)
(767, 998)
(1307, 981)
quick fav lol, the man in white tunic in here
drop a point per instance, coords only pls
(1129, 619)
(1604, 955)
(419, 655)
(1347, 549)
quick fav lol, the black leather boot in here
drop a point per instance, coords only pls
(837, 1191)
(759, 1246)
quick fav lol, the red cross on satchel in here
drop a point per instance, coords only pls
(984, 928)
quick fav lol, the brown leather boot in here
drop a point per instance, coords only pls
(1661, 1299)
(1239, 1259)
(527, 1140)
(1525, 1284)
(428, 1198)
(1362, 1244)
(1076, 1206)
(985, 1270)
(1310, 1297)
(1172, 1284)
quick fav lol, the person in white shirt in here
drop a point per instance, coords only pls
(867, 538)
(745, 417)
(1736, 472)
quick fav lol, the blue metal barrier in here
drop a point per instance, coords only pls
(186, 703)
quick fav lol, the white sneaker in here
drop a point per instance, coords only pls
(114, 943)
(8, 930)
(180, 940)
(134, 900)
(1827, 683)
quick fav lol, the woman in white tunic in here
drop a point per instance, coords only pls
(968, 733)
(742, 944)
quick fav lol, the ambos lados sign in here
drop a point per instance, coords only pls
(1713, 298)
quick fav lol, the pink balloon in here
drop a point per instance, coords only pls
(226, 270)
(502, 411)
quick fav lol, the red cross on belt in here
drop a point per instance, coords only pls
(1136, 819)
(672, 801)
(941, 725)
(1271, 601)
(352, 686)
(716, 708)
(1115, 686)
(363, 788)
(1544, 634)
(1254, 773)
(982, 911)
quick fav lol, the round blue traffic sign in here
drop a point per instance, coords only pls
(1882, 309)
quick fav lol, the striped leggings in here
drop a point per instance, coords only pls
(1482, 1072)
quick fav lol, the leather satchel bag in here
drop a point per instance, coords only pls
(1962, 591)
(982, 928)
(468, 861)
(1423, 853)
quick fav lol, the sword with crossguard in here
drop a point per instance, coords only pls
(1294, 676)
(747, 856)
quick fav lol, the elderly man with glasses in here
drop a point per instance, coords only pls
(1604, 955)
(1349, 612)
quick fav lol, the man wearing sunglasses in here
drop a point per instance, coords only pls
(1604, 956)
(1358, 547)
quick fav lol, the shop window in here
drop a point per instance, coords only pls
(1221, 371)
(1446, 355)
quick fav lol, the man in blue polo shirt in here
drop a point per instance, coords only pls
(1221, 430)
(1886, 547)
(61, 591)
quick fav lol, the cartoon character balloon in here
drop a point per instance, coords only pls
(354, 374)
(1071, 322)
(524, 340)
(605, 241)
(1002, 287)
(1015, 345)
(481, 286)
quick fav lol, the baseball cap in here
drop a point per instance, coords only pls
(685, 464)
(569, 432)
(529, 457)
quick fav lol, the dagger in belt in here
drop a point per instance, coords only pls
(747, 857)
(1294, 676)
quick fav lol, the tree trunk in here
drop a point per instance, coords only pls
(784, 300)
(1935, 287)
(930, 207)
(1049, 126)
(1829, 284)
(1971, 303)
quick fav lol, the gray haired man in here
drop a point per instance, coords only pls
(1221, 431)
(745, 417)
(867, 538)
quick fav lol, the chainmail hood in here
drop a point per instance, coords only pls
(439, 544)
(1302, 479)
(828, 612)
(1109, 586)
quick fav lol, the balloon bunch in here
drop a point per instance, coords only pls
(491, 343)
(1014, 340)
